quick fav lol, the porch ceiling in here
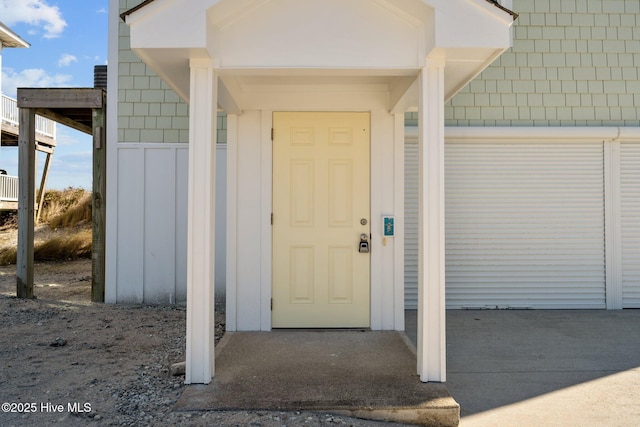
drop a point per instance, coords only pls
(249, 89)
(261, 46)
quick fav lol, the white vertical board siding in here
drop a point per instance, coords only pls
(630, 205)
(411, 224)
(525, 225)
(159, 225)
(151, 223)
(182, 196)
(130, 230)
(151, 260)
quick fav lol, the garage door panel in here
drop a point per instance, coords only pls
(525, 225)
(630, 223)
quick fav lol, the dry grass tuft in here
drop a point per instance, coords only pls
(8, 255)
(77, 214)
(8, 220)
(67, 234)
(58, 248)
(58, 202)
(77, 245)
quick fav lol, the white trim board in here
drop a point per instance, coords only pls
(566, 134)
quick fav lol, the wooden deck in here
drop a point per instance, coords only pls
(8, 206)
(8, 192)
(45, 128)
(10, 137)
(45, 141)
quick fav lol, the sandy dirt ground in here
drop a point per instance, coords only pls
(67, 361)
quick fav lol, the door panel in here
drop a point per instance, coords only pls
(321, 191)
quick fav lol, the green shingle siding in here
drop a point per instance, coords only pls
(573, 63)
(148, 110)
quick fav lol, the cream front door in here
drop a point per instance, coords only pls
(321, 192)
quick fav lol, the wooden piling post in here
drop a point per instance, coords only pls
(26, 202)
(99, 205)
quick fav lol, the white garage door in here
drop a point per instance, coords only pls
(630, 205)
(524, 225)
(411, 224)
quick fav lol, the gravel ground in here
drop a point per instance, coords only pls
(71, 362)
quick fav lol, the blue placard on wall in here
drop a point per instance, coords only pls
(389, 226)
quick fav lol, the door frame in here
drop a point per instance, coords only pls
(386, 198)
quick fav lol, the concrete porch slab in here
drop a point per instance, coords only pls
(363, 374)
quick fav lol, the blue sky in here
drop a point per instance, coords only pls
(67, 37)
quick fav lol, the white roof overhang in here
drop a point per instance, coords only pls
(10, 39)
(262, 45)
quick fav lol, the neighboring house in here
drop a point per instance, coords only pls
(45, 132)
(534, 199)
(8, 122)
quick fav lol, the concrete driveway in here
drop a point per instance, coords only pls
(543, 367)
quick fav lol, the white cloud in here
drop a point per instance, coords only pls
(103, 10)
(31, 77)
(33, 12)
(69, 137)
(71, 170)
(66, 60)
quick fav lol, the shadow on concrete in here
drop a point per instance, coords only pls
(499, 358)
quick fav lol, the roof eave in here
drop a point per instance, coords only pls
(10, 39)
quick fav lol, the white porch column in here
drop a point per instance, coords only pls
(201, 223)
(431, 283)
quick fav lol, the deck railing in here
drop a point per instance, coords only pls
(10, 116)
(8, 188)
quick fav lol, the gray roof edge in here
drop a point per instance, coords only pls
(124, 14)
(497, 4)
